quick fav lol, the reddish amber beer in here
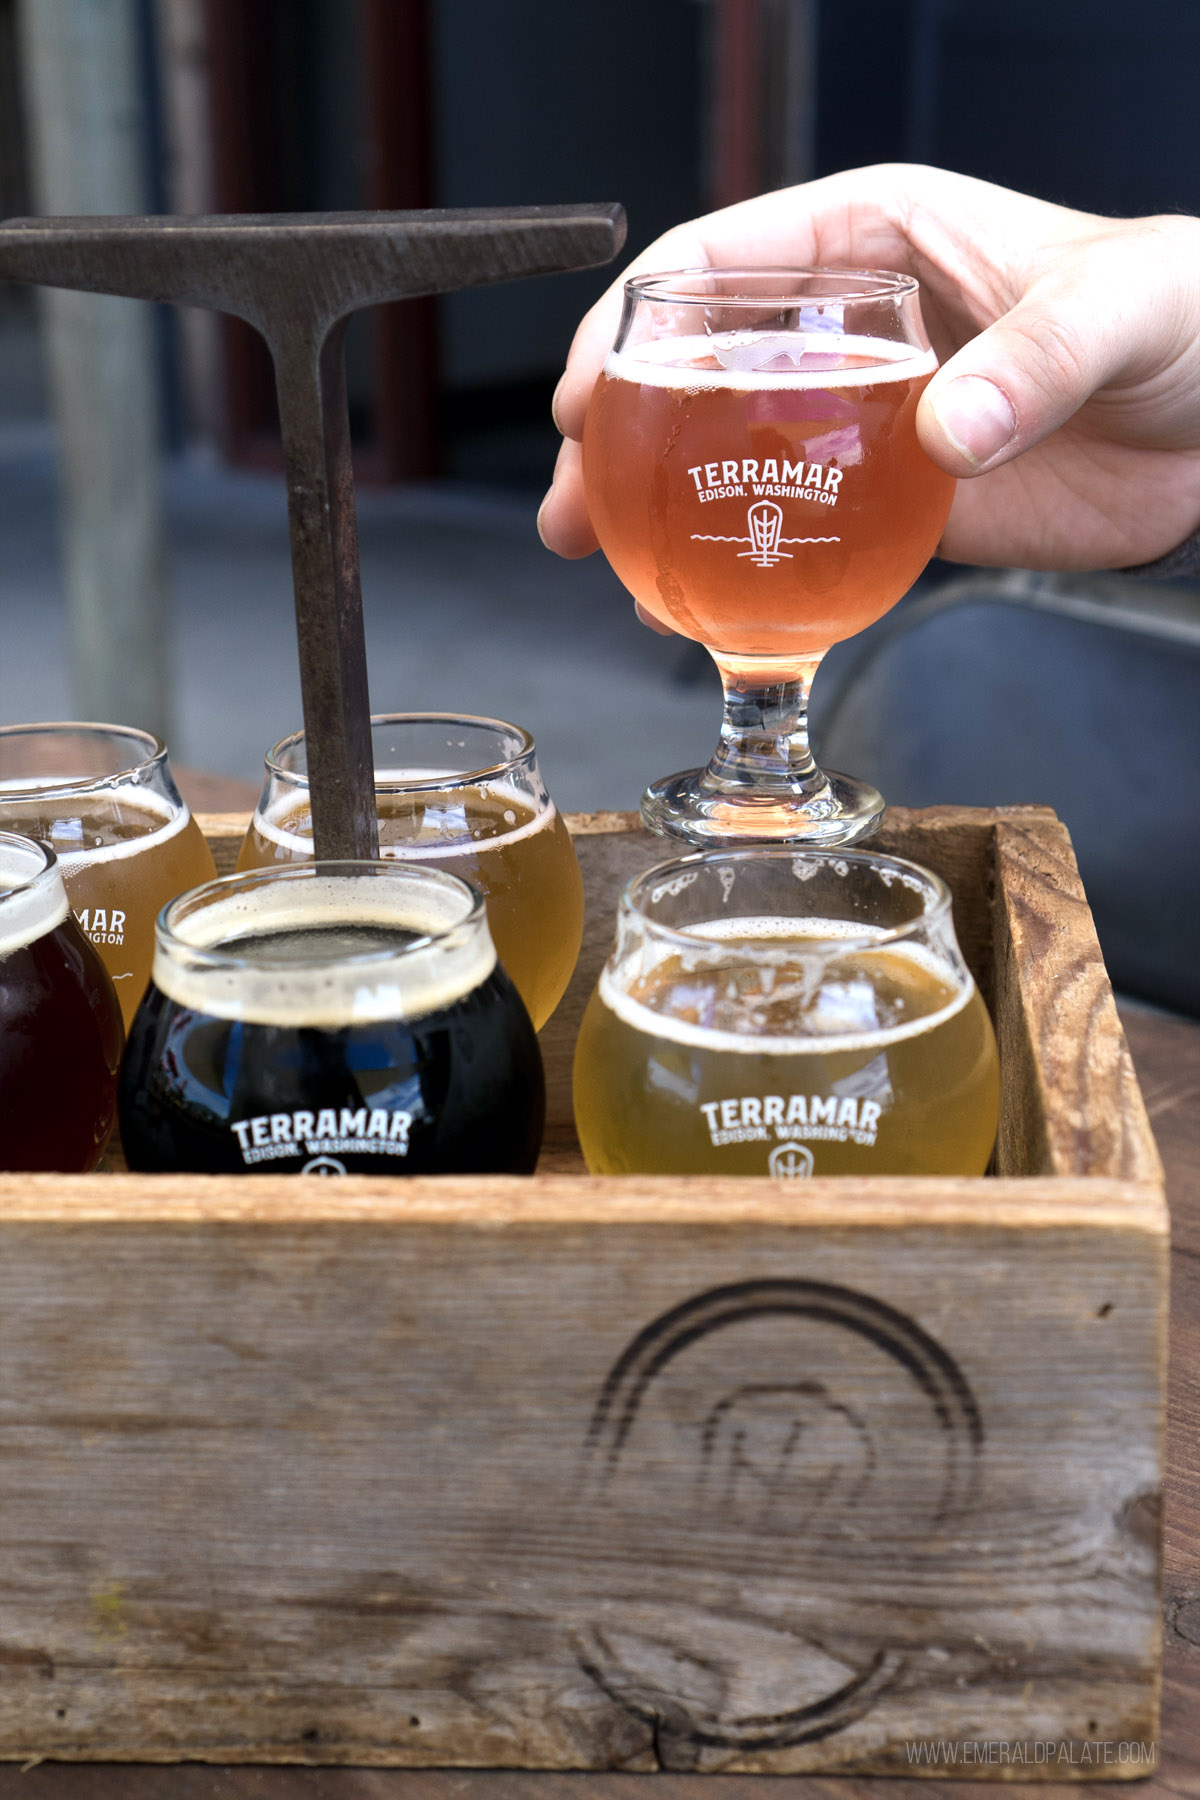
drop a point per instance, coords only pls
(764, 513)
(755, 478)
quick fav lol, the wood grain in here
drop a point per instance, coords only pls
(1071, 1103)
(206, 793)
(224, 831)
(279, 1489)
(1166, 1052)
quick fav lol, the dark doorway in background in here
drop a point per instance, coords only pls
(318, 107)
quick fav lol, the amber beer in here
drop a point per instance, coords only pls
(770, 506)
(104, 800)
(466, 796)
(60, 1025)
(786, 1043)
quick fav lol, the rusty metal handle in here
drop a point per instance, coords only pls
(297, 278)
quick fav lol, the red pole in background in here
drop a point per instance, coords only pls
(762, 96)
(737, 156)
(398, 176)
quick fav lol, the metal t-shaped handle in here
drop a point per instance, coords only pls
(298, 278)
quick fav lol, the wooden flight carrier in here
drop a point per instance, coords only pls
(637, 1474)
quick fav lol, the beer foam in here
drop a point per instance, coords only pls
(32, 898)
(672, 362)
(196, 963)
(651, 1023)
(299, 844)
(780, 926)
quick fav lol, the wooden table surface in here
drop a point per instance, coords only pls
(1166, 1051)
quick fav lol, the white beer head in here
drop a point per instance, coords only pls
(32, 897)
(776, 950)
(460, 778)
(324, 944)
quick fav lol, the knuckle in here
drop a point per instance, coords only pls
(1061, 351)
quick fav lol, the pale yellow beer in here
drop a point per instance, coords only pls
(785, 1046)
(657, 1091)
(494, 825)
(125, 840)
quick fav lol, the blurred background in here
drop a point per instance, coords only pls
(144, 569)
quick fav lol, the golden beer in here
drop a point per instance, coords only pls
(125, 840)
(496, 827)
(785, 1045)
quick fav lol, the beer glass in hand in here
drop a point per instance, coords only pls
(754, 477)
(60, 1025)
(331, 1018)
(463, 794)
(786, 1012)
(102, 797)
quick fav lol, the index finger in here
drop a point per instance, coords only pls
(848, 217)
(593, 339)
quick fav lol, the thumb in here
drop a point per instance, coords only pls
(1026, 375)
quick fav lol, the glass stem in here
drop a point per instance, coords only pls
(764, 743)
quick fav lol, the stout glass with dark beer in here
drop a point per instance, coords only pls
(331, 1018)
(466, 795)
(103, 798)
(60, 1025)
(754, 477)
(786, 1013)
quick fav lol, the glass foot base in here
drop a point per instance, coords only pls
(841, 811)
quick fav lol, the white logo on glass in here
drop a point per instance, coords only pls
(764, 521)
(329, 1165)
(790, 1162)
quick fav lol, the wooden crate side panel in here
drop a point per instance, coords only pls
(957, 843)
(1070, 1101)
(224, 832)
(497, 1202)
(710, 1496)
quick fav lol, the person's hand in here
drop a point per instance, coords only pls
(1069, 391)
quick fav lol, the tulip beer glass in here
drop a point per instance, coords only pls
(754, 477)
(466, 795)
(788, 1013)
(102, 797)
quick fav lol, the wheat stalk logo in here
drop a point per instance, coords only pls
(764, 522)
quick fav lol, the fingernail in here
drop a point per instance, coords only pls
(541, 510)
(975, 416)
(554, 402)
